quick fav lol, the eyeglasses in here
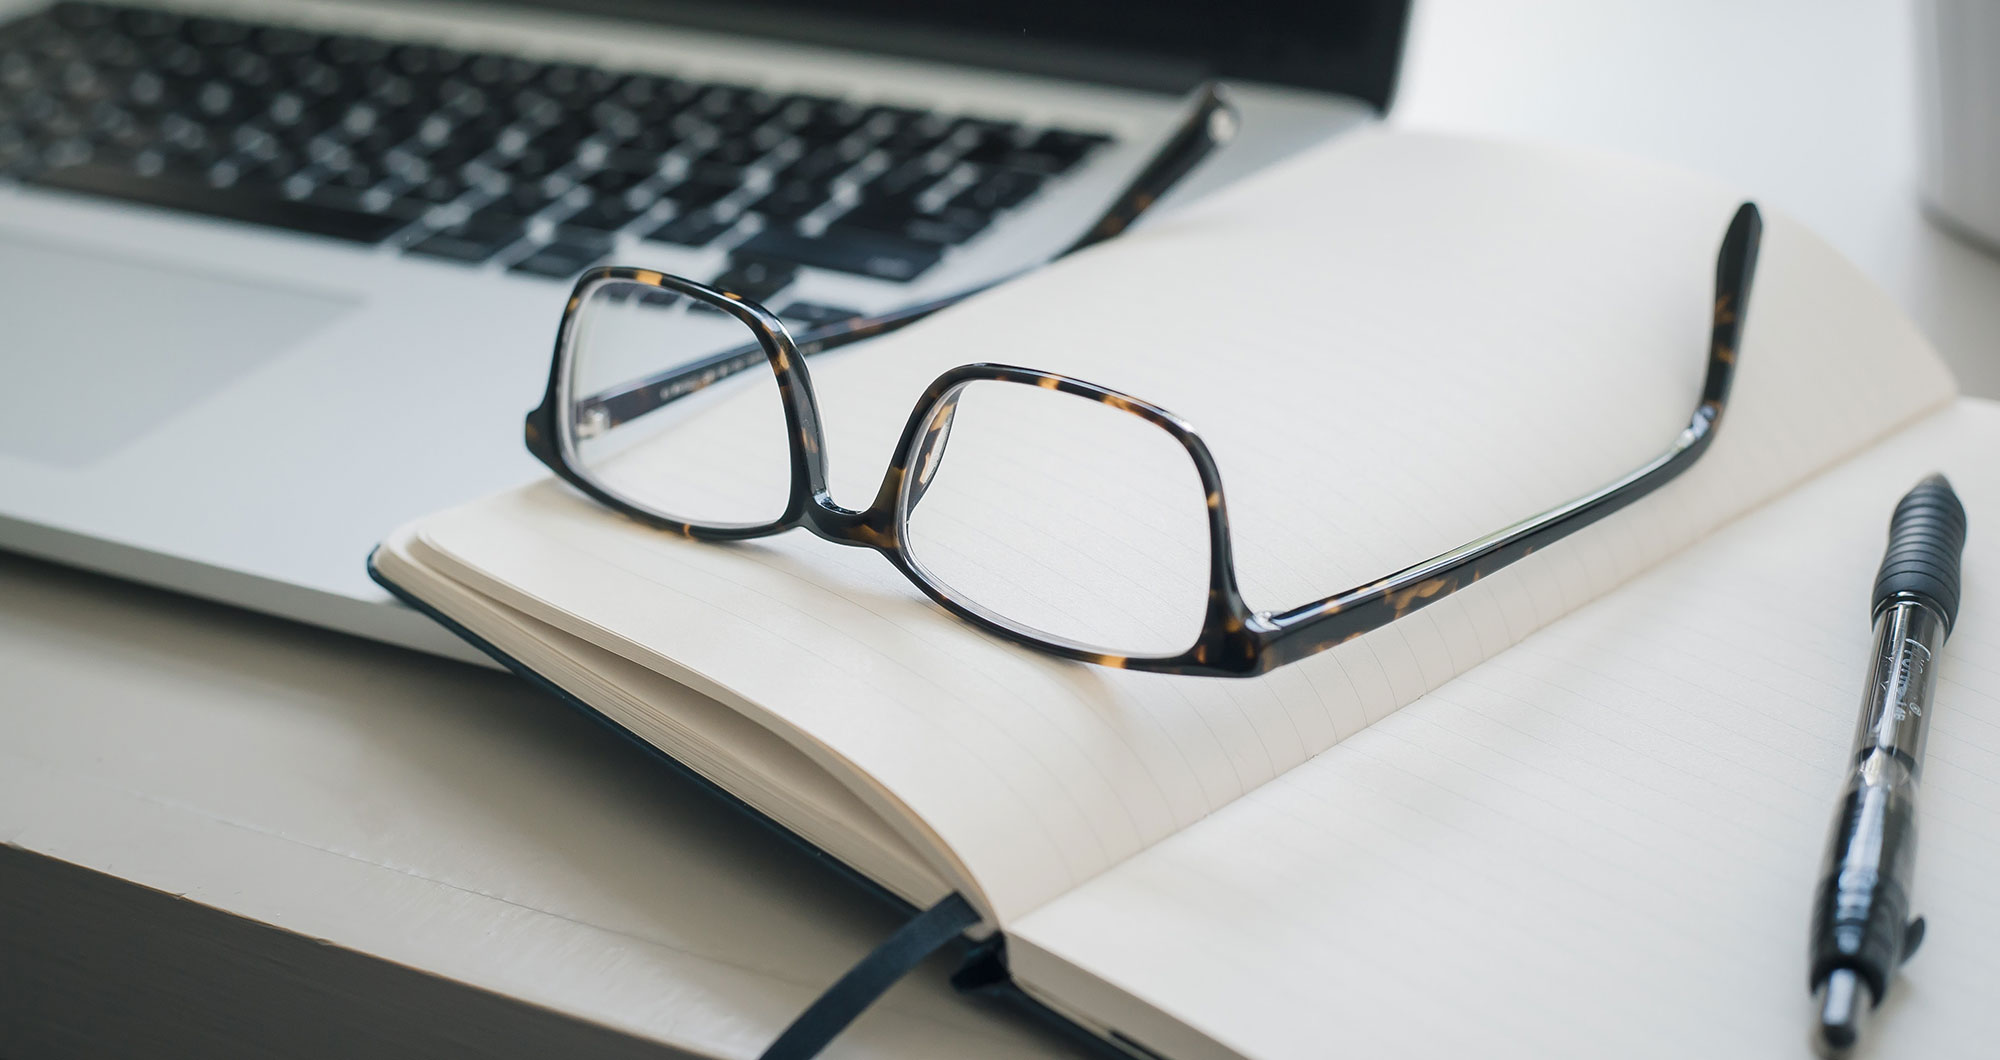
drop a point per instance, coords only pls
(691, 409)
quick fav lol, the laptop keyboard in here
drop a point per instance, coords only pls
(473, 157)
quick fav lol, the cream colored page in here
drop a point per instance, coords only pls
(1602, 842)
(1395, 344)
(744, 758)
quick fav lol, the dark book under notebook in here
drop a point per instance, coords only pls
(1553, 814)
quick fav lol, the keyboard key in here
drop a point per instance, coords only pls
(695, 194)
(859, 251)
(1055, 151)
(790, 201)
(606, 214)
(348, 135)
(979, 136)
(990, 149)
(756, 280)
(733, 153)
(440, 189)
(721, 174)
(903, 183)
(818, 167)
(353, 225)
(814, 315)
(533, 196)
(824, 121)
(376, 202)
(477, 238)
(913, 136)
(458, 244)
(560, 260)
(697, 229)
(948, 227)
(999, 190)
(610, 183)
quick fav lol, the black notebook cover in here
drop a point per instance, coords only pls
(982, 971)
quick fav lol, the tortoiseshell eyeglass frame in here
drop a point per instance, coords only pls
(1234, 640)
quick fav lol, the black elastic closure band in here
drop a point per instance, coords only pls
(872, 977)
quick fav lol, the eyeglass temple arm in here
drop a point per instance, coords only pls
(1210, 121)
(1315, 627)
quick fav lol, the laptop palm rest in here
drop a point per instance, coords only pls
(101, 348)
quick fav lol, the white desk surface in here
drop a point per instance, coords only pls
(1809, 106)
(454, 820)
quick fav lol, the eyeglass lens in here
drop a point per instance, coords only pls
(710, 449)
(1059, 514)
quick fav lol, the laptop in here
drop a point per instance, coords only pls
(278, 276)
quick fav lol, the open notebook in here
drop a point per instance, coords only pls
(1574, 810)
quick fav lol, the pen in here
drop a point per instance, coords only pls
(1861, 928)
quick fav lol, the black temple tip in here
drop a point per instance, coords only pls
(1737, 262)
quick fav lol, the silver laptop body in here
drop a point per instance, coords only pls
(238, 401)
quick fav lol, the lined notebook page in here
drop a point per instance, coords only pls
(1394, 345)
(1602, 842)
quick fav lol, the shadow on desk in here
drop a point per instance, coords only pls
(97, 966)
(383, 853)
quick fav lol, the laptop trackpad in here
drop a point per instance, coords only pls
(101, 348)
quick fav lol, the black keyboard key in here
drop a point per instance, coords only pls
(606, 214)
(990, 150)
(756, 280)
(356, 176)
(826, 121)
(734, 110)
(533, 196)
(487, 232)
(883, 120)
(790, 201)
(948, 227)
(903, 183)
(354, 225)
(695, 194)
(531, 164)
(650, 93)
(999, 190)
(697, 229)
(440, 189)
(497, 218)
(614, 182)
(403, 210)
(735, 153)
(639, 162)
(561, 260)
(718, 173)
(818, 166)
(614, 121)
(915, 138)
(979, 139)
(859, 251)
(814, 315)
(459, 244)
(1054, 152)
(315, 124)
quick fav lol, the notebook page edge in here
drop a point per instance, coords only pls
(821, 817)
(1401, 764)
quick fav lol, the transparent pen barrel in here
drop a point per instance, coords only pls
(1895, 710)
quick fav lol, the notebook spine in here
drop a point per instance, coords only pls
(982, 972)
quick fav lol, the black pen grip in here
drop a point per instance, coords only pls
(1861, 913)
(1926, 538)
